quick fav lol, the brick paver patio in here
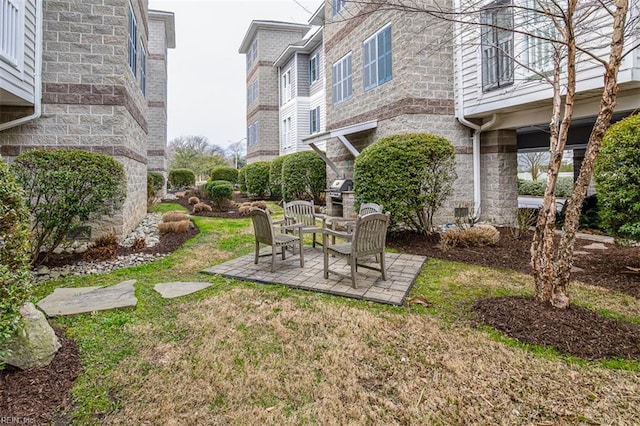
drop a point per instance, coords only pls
(402, 270)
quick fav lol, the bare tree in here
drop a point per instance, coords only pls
(593, 32)
(195, 153)
(533, 162)
(236, 152)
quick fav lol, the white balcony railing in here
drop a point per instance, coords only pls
(11, 30)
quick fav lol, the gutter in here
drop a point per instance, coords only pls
(37, 98)
(477, 129)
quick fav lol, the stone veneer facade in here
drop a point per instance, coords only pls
(418, 98)
(91, 99)
(272, 38)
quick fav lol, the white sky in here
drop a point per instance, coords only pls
(207, 88)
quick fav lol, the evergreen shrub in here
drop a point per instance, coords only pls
(304, 176)
(181, 178)
(220, 192)
(227, 173)
(257, 178)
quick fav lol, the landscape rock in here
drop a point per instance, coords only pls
(36, 344)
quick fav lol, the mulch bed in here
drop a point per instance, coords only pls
(231, 211)
(37, 394)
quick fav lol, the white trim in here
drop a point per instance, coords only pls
(14, 56)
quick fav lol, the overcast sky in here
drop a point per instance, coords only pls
(207, 89)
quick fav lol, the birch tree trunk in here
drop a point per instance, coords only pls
(551, 265)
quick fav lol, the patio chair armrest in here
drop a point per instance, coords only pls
(331, 232)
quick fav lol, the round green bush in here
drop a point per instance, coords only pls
(275, 176)
(227, 173)
(220, 192)
(15, 273)
(242, 185)
(257, 178)
(181, 178)
(157, 182)
(65, 188)
(411, 175)
(304, 176)
(617, 176)
(564, 187)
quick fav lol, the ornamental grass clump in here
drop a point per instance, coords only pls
(202, 207)
(476, 236)
(169, 227)
(104, 248)
(174, 216)
(15, 261)
(64, 189)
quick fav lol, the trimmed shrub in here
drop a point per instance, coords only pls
(257, 178)
(242, 186)
(617, 179)
(275, 176)
(229, 174)
(564, 187)
(220, 193)
(304, 176)
(65, 188)
(15, 261)
(411, 175)
(157, 181)
(181, 178)
(476, 236)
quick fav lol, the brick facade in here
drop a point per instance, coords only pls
(91, 99)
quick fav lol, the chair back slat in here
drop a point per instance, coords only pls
(370, 233)
(368, 208)
(301, 212)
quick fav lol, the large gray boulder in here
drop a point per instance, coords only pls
(35, 344)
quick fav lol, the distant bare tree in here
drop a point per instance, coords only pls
(533, 162)
(236, 153)
(195, 153)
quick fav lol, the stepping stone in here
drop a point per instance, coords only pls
(580, 252)
(595, 246)
(177, 289)
(575, 269)
(71, 301)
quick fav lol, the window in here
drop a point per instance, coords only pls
(252, 134)
(341, 82)
(314, 68)
(133, 41)
(12, 31)
(377, 59)
(252, 92)
(314, 120)
(286, 132)
(252, 54)
(497, 46)
(143, 70)
(337, 6)
(286, 86)
(538, 50)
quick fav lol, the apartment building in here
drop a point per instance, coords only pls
(388, 71)
(263, 43)
(82, 75)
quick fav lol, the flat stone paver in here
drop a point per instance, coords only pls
(71, 301)
(595, 246)
(402, 270)
(177, 289)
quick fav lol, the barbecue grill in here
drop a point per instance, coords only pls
(338, 187)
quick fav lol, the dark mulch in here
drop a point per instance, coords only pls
(577, 331)
(38, 393)
(34, 395)
(229, 211)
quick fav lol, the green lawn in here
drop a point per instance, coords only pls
(243, 353)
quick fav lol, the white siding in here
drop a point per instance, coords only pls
(527, 87)
(19, 79)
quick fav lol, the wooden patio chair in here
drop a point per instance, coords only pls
(369, 238)
(347, 224)
(303, 212)
(274, 236)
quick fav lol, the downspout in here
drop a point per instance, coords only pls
(37, 81)
(477, 129)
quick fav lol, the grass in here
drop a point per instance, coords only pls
(244, 353)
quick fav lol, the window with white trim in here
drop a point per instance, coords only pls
(286, 133)
(377, 59)
(252, 92)
(252, 54)
(143, 69)
(497, 45)
(286, 86)
(133, 41)
(342, 80)
(314, 68)
(314, 120)
(539, 50)
(337, 6)
(11, 31)
(252, 134)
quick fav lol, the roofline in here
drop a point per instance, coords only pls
(269, 25)
(169, 25)
(310, 44)
(318, 16)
